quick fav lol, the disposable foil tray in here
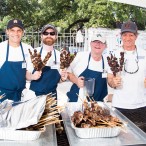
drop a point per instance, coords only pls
(9, 134)
(95, 131)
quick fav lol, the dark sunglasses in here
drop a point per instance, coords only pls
(51, 33)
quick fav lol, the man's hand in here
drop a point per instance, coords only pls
(36, 75)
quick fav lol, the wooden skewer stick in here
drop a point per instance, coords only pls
(47, 123)
(79, 97)
(2, 96)
(87, 96)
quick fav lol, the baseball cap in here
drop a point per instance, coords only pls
(129, 26)
(98, 37)
(47, 27)
(15, 22)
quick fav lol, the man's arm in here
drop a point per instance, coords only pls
(79, 81)
(113, 81)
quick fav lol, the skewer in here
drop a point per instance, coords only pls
(50, 115)
(47, 123)
(48, 118)
(87, 95)
(37, 61)
(2, 96)
(79, 97)
(96, 116)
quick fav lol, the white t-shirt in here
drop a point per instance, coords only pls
(132, 93)
(80, 63)
(15, 54)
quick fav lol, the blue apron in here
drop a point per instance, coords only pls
(100, 90)
(47, 82)
(12, 77)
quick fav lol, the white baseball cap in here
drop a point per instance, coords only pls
(98, 37)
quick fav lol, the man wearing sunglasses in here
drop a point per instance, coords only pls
(129, 91)
(50, 76)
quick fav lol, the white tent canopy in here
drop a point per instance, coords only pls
(139, 3)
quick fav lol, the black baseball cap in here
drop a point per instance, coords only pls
(129, 26)
(47, 27)
(15, 22)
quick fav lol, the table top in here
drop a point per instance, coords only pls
(132, 136)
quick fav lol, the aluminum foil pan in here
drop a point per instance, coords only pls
(95, 131)
(20, 134)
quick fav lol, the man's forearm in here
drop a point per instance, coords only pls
(72, 78)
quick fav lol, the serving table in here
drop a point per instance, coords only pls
(131, 136)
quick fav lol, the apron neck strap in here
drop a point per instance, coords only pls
(54, 54)
(7, 55)
(89, 61)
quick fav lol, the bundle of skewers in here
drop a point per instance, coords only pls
(115, 65)
(37, 61)
(50, 115)
(93, 115)
(66, 58)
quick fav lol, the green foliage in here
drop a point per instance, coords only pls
(71, 14)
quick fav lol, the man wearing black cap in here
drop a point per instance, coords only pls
(50, 74)
(14, 57)
(129, 92)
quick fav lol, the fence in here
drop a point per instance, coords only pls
(67, 40)
(80, 41)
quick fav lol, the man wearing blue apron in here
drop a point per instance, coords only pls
(50, 77)
(89, 65)
(13, 58)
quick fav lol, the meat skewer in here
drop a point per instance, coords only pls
(115, 65)
(94, 115)
(37, 60)
(66, 58)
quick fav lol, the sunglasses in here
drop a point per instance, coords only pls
(51, 33)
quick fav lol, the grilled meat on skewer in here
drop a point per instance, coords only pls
(94, 115)
(37, 60)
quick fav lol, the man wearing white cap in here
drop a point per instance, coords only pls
(89, 65)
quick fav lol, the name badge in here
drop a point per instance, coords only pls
(141, 57)
(24, 65)
(104, 75)
(55, 66)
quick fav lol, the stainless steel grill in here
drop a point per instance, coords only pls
(137, 116)
(62, 139)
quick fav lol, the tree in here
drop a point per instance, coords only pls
(73, 14)
(3, 8)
